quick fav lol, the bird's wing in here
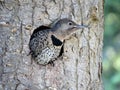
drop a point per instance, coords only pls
(38, 40)
(41, 28)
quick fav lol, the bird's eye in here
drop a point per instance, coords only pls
(70, 23)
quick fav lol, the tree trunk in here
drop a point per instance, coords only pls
(80, 68)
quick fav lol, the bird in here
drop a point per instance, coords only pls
(46, 43)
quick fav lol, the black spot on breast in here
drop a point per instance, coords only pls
(56, 41)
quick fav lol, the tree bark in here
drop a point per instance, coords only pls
(80, 68)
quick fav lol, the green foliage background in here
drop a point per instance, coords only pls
(111, 49)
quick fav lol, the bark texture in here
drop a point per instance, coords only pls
(80, 68)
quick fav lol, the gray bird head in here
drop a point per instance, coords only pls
(65, 27)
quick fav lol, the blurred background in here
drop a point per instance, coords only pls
(111, 49)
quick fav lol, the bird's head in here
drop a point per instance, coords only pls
(65, 27)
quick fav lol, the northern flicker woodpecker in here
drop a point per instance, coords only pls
(46, 44)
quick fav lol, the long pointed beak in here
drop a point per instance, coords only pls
(81, 26)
